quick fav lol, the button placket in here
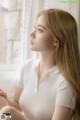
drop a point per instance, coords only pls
(36, 84)
(43, 78)
(35, 90)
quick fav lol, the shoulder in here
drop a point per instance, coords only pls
(62, 81)
(65, 93)
(64, 85)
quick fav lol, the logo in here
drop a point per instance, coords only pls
(4, 116)
(69, 1)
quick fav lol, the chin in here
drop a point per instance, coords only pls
(33, 49)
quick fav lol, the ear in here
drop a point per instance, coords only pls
(56, 43)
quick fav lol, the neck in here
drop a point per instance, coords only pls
(47, 61)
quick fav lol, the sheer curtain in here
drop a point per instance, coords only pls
(30, 10)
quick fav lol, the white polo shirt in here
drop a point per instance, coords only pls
(39, 98)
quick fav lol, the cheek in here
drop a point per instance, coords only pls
(42, 42)
(45, 42)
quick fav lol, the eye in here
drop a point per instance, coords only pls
(40, 30)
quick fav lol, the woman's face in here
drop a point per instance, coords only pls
(41, 39)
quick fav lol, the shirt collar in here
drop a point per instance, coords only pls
(54, 69)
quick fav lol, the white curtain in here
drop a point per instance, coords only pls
(30, 10)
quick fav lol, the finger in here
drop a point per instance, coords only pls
(3, 94)
(1, 90)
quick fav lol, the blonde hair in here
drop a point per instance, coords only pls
(63, 25)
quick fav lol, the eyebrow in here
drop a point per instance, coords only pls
(42, 26)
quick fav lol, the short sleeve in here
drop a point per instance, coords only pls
(21, 74)
(65, 95)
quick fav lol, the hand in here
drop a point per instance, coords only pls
(3, 93)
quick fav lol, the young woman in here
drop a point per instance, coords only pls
(49, 87)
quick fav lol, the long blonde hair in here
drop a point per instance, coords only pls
(63, 25)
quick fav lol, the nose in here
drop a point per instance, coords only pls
(32, 34)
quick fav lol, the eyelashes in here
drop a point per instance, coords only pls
(38, 28)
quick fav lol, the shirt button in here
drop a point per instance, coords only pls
(35, 90)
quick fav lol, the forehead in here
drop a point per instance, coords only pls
(41, 20)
